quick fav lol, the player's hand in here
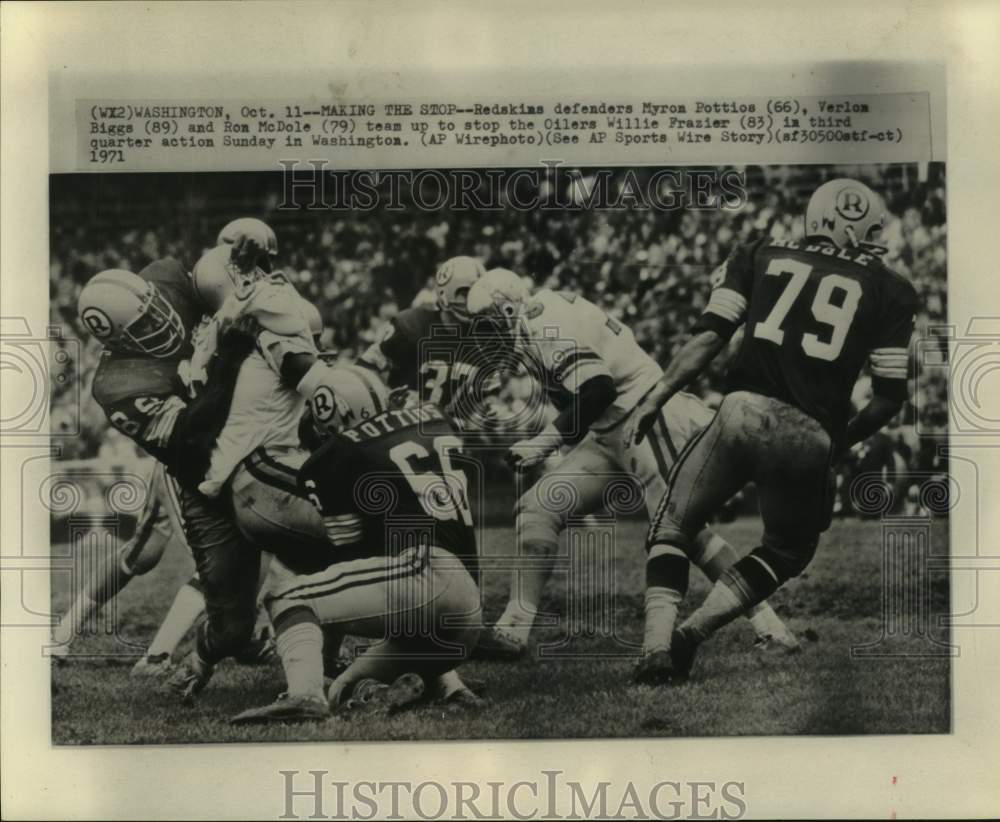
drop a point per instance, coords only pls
(643, 420)
(530, 452)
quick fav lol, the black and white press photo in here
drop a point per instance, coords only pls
(407, 455)
(501, 412)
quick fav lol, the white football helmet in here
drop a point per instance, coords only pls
(496, 305)
(348, 395)
(127, 313)
(848, 213)
(215, 277)
(260, 231)
(452, 282)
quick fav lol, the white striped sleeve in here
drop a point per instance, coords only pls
(889, 363)
(728, 304)
(343, 530)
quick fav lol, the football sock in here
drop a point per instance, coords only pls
(188, 605)
(300, 646)
(661, 614)
(80, 611)
(714, 555)
(722, 605)
(667, 573)
(527, 587)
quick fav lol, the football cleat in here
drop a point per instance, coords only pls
(462, 700)
(286, 708)
(682, 653)
(152, 666)
(494, 643)
(190, 677)
(373, 697)
(655, 668)
(258, 651)
(772, 644)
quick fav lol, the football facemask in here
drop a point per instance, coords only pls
(127, 313)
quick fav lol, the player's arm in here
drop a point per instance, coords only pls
(888, 361)
(726, 311)
(872, 418)
(174, 430)
(394, 356)
(585, 376)
(197, 426)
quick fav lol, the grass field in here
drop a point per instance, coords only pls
(734, 690)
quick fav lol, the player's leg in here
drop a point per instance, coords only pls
(574, 487)
(228, 567)
(680, 420)
(790, 455)
(708, 471)
(431, 627)
(423, 607)
(137, 556)
(189, 601)
(272, 513)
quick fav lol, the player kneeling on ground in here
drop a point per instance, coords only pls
(395, 511)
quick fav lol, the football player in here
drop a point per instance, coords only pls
(394, 504)
(425, 348)
(159, 521)
(814, 311)
(595, 373)
(144, 322)
(257, 457)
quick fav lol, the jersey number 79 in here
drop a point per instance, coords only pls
(838, 317)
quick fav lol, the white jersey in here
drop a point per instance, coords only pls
(264, 412)
(574, 340)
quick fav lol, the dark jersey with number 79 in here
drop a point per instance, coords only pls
(814, 313)
(394, 481)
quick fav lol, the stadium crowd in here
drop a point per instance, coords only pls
(649, 268)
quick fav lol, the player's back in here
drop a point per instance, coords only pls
(570, 329)
(391, 482)
(814, 313)
(427, 352)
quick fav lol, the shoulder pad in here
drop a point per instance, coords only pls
(416, 323)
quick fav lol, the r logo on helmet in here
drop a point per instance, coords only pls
(852, 204)
(323, 404)
(97, 322)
